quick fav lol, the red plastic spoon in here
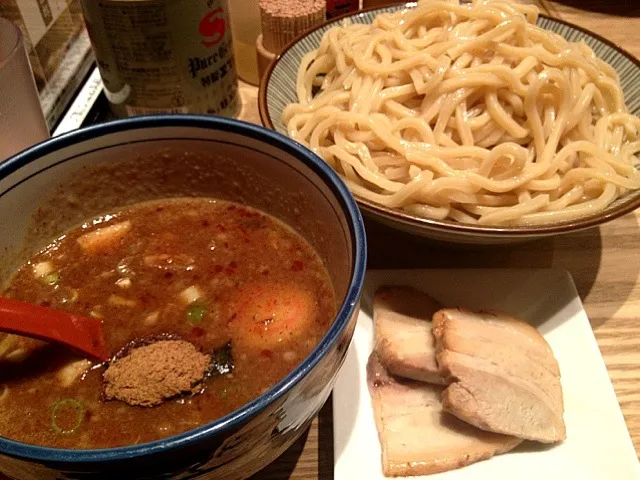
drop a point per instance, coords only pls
(82, 334)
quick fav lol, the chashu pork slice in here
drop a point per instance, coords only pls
(404, 340)
(417, 437)
(504, 376)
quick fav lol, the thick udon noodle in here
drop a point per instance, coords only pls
(467, 112)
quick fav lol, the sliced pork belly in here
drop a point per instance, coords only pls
(404, 340)
(504, 376)
(417, 437)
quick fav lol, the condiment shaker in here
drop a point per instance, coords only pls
(282, 21)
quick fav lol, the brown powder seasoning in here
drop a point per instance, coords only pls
(148, 374)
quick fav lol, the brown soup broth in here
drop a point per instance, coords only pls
(208, 271)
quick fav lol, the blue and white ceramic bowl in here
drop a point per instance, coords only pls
(278, 89)
(58, 183)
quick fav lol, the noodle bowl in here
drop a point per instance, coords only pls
(467, 112)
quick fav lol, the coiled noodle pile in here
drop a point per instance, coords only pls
(467, 112)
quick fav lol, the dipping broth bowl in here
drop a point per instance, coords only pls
(63, 181)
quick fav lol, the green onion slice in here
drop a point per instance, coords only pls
(51, 278)
(68, 404)
(195, 313)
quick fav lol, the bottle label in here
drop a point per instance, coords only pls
(164, 56)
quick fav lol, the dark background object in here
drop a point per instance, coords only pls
(339, 7)
(624, 8)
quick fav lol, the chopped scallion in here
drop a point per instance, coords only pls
(43, 268)
(74, 294)
(190, 295)
(51, 278)
(66, 407)
(195, 313)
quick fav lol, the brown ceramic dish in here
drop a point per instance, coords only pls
(277, 89)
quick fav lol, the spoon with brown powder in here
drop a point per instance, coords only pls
(145, 373)
(149, 371)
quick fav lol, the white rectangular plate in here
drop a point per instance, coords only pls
(597, 445)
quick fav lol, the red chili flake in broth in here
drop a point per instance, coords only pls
(145, 298)
(221, 228)
(218, 268)
(248, 213)
(198, 332)
(231, 207)
(233, 265)
(297, 266)
(266, 354)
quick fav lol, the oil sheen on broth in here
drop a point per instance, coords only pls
(212, 272)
